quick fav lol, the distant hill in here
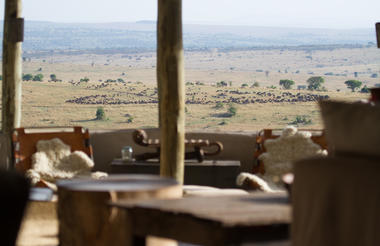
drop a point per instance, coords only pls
(48, 36)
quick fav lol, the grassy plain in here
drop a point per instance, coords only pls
(46, 103)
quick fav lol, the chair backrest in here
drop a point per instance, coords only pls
(318, 137)
(25, 141)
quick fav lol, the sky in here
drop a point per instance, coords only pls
(280, 13)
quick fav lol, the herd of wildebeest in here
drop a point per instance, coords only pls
(195, 95)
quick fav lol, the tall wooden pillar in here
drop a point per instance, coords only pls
(378, 34)
(171, 90)
(12, 67)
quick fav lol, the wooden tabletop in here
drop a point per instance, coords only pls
(117, 183)
(153, 162)
(213, 220)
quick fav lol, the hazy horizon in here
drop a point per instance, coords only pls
(202, 24)
(332, 14)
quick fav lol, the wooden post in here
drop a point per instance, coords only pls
(378, 34)
(12, 66)
(171, 91)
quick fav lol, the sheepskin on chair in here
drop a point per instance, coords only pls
(54, 160)
(291, 146)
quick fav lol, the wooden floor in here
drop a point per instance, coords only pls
(40, 225)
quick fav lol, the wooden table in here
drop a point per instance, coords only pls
(215, 221)
(85, 217)
(216, 173)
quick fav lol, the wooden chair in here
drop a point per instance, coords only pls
(25, 141)
(318, 137)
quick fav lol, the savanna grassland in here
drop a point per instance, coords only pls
(249, 98)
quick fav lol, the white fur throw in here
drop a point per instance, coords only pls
(54, 160)
(291, 146)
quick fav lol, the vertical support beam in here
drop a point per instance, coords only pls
(378, 34)
(12, 67)
(171, 90)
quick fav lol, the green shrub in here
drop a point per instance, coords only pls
(130, 119)
(85, 79)
(232, 110)
(365, 89)
(221, 83)
(219, 105)
(27, 77)
(38, 77)
(100, 114)
(301, 119)
(53, 77)
(255, 84)
(223, 123)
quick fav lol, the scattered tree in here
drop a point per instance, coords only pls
(53, 77)
(315, 83)
(353, 84)
(232, 110)
(365, 89)
(27, 77)
(286, 83)
(100, 114)
(85, 79)
(255, 84)
(221, 83)
(38, 77)
(130, 119)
